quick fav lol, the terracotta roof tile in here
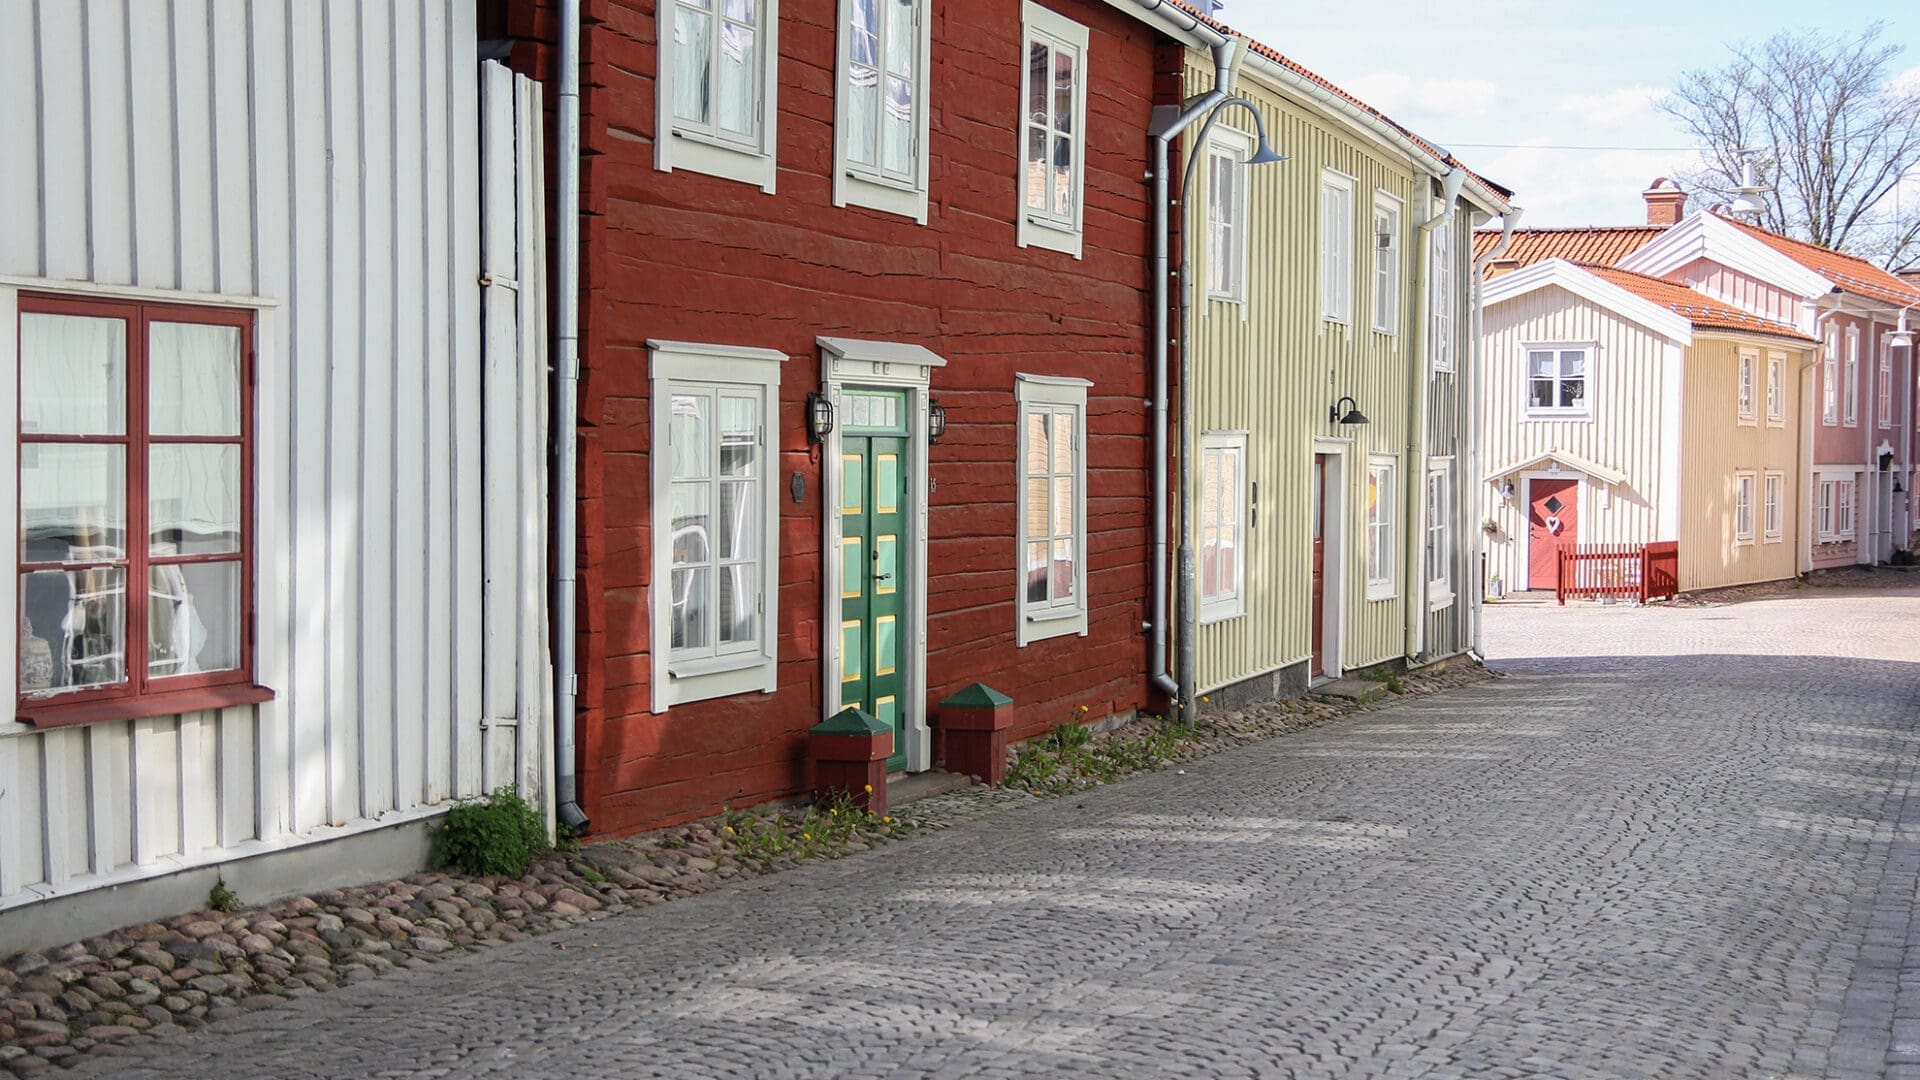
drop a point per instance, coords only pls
(1600, 245)
(1703, 311)
(1853, 275)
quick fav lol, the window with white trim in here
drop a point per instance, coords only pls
(1443, 299)
(1227, 215)
(1386, 262)
(1743, 508)
(1886, 387)
(1053, 92)
(1440, 532)
(1052, 498)
(880, 134)
(716, 546)
(1776, 388)
(718, 78)
(1830, 380)
(1336, 246)
(1749, 393)
(1557, 380)
(1851, 384)
(1223, 526)
(1382, 580)
(1773, 505)
(1835, 511)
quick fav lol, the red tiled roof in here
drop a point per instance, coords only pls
(1854, 275)
(1703, 311)
(1601, 245)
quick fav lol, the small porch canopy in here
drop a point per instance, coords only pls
(1554, 461)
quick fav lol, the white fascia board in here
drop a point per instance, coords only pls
(880, 352)
(1704, 236)
(1593, 289)
(1171, 20)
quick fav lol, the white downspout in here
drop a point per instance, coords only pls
(1420, 377)
(1902, 339)
(1478, 595)
(566, 421)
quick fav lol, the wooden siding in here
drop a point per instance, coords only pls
(1715, 445)
(323, 157)
(1633, 427)
(1449, 629)
(1274, 368)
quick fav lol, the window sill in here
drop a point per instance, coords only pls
(719, 665)
(696, 152)
(52, 713)
(1041, 625)
(1208, 618)
(1558, 414)
(1776, 539)
(1748, 421)
(1379, 593)
(1035, 232)
(1439, 599)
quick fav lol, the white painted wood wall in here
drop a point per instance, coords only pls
(321, 160)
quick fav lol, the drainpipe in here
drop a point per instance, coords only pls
(566, 421)
(1167, 124)
(1419, 376)
(1902, 338)
(1809, 480)
(1477, 596)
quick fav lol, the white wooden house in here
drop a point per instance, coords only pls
(271, 288)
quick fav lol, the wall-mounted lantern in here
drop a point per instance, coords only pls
(1353, 415)
(936, 420)
(819, 417)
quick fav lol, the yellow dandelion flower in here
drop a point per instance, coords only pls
(729, 830)
(1204, 699)
(869, 789)
(888, 820)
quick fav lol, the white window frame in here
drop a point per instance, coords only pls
(681, 144)
(681, 678)
(1440, 533)
(1383, 580)
(1442, 300)
(1834, 510)
(1850, 387)
(1748, 396)
(1556, 412)
(1745, 496)
(1050, 393)
(873, 186)
(1336, 246)
(1035, 228)
(1226, 235)
(1388, 264)
(1216, 607)
(1830, 380)
(1885, 387)
(1773, 506)
(1776, 389)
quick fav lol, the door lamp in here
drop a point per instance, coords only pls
(819, 417)
(936, 420)
(1353, 416)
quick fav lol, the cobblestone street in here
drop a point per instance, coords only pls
(1673, 842)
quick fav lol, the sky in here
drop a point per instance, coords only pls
(1519, 89)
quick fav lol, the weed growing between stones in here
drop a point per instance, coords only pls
(826, 827)
(222, 899)
(1071, 757)
(500, 834)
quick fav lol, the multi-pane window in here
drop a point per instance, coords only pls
(1386, 262)
(1380, 528)
(1776, 387)
(1830, 380)
(1440, 533)
(1743, 508)
(1223, 521)
(714, 540)
(717, 88)
(1836, 510)
(1773, 506)
(1850, 385)
(1227, 217)
(1749, 393)
(1885, 394)
(1052, 506)
(1336, 246)
(881, 149)
(1557, 380)
(1053, 134)
(1442, 298)
(135, 497)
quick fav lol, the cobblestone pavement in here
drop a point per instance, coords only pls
(1675, 842)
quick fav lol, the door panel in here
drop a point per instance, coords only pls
(872, 523)
(1319, 602)
(1552, 521)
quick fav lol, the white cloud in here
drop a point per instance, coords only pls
(1576, 187)
(1397, 94)
(1458, 97)
(1615, 108)
(1384, 90)
(1905, 82)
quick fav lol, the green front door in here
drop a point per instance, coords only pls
(873, 500)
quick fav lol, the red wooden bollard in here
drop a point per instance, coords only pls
(973, 732)
(850, 752)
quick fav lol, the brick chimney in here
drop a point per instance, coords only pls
(1666, 203)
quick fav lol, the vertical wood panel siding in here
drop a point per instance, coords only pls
(1275, 372)
(1633, 388)
(1714, 446)
(1449, 629)
(323, 156)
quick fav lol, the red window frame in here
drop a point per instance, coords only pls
(141, 693)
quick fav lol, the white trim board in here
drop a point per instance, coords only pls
(1592, 288)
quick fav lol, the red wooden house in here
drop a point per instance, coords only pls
(813, 229)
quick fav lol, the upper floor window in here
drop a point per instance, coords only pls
(1776, 388)
(1850, 384)
(1336, 247)
(1053, 88)
(1386, 262)
(1227, 215)
(1557, 380)
(136, 497)
(1052, 506)
(1443, 299)
(1749, 365)
(880, 144)
(718, 78)
(1830, 380)
(1223, 526)
(1885, 394)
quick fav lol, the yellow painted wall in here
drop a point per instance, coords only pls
(1716, 444)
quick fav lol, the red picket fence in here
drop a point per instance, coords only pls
(1639, 572)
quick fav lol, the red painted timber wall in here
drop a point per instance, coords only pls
(688, 257)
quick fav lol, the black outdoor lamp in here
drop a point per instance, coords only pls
(1886, 460)
(936, 420)
(819, 417)
(1353, 414)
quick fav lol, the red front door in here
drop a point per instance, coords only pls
(1319, 565)
(1552, 513)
